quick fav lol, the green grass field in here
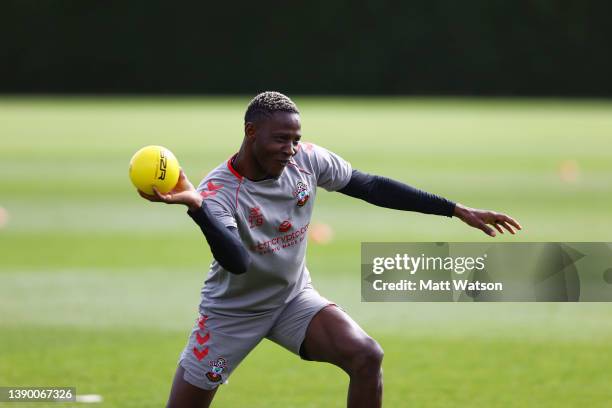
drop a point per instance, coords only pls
(99, 288)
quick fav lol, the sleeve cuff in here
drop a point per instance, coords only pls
(198, 215)
(451, 208)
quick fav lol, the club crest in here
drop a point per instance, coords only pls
(301, 193)
(216, 368)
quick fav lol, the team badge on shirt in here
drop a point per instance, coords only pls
(302, 193)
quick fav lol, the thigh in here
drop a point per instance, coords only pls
(289, 329)
(333, 337)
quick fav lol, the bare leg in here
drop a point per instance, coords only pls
(185, 395)
(334, 337)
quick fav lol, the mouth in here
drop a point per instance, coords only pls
(283, 163)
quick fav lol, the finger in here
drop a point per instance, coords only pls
(513, 222)
(147, 196)
(506, 226)
(486, 229)
(497, 227)
(159, 195)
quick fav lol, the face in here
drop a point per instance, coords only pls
(274, 141)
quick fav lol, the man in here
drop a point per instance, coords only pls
(254, 211)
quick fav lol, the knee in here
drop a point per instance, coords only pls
(366, 359)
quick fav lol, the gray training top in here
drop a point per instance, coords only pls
(272, 217)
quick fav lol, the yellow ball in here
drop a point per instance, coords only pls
(154, 166)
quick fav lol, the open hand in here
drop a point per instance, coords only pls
(182, 193)
(481, 219)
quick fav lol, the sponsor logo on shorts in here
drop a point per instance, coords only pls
(213, 377)
(201, 338)
(301, 193)
(202, 321)
(200, 354)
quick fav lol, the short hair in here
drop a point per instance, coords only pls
(266, 104)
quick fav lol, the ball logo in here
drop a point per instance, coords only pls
(301, 193)
(162, 165)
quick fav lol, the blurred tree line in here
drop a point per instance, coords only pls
(489, 47)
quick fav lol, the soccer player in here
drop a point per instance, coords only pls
(254, 211)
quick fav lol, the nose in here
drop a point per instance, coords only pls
(289, 149)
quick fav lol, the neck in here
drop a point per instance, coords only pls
(245, 164)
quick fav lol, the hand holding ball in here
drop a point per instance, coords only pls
(154, 166)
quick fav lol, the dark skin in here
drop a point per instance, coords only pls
(268, 146)
(332, 336)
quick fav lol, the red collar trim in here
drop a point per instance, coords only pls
(232, 169)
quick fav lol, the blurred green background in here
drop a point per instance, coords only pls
(99, 288)
(320, 47)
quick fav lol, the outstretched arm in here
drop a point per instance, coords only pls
(387, 193)
(384, 192)
(224, 242)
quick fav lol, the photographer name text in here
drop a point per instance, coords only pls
(437, 286)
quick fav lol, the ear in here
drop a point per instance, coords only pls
(250, 131)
